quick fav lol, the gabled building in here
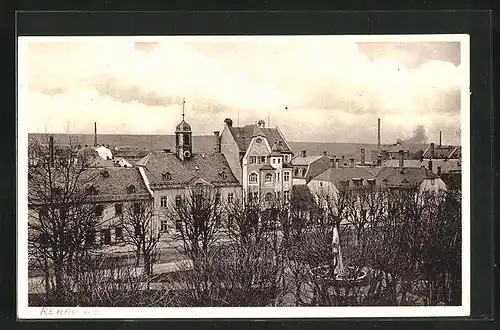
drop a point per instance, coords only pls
(336, 178)
(170, 174)
(307, 167)
(442, 152)
(259, 158)
(419, 179)
(437, 166)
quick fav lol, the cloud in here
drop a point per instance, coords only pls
(334, 89)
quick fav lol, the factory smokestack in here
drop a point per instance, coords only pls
(95, 134)
(378, 137)
(440, 138)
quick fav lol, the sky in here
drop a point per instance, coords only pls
(325, 89)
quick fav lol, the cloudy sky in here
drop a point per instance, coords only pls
(314, 89)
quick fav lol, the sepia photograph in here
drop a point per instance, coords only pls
(243, 176)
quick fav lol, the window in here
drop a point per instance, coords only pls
(253, 159)
(432, 181)
(321, 184)
(357, 182)
(230, 197)
(259, 160)
(118, 233)
(167, 176)
(263, 159)
(164, 226)
(252, 178)
(163, 201)
(278, 177)
(186, 139)
(296, 171)
(258, 140)
(254, 196)
(178, 225)
(286, 176)
(279, 160)
(223, 175)
(105, 174)
(274, 160)
(98, 210)
(371, 183)
(106, 236)
(118, 209)
(131, 189)
(137, 208)
(268, 197)
(286, 195)
(178, 201)
(268, 178)
(217, 197)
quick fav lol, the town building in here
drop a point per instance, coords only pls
(442, 152)
(307, 167)
(259, 158)
(170, 174)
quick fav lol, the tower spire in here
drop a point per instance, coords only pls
(183, 102)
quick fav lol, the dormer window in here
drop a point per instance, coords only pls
(105, 174)
(131, 189)
(223, 175)
(258, 140)
(357, 181)
(167, 176)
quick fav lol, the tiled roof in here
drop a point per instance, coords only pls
(243, 136)
(114, 185)
(212, 167)
(336, 175)
(445, 164)
(396, 147)
(299, 160)
(390, 176)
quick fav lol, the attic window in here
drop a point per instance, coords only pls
(105, 174)
(196, 168)
(131, 189)
(167, 176)
(258, 140)
(223, 175)
(405, 181)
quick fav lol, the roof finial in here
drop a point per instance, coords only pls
(183, 102)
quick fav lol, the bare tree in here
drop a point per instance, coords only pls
(141, 232)
(62, 219)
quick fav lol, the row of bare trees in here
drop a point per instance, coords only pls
(400, 248)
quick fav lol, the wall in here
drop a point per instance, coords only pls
(432, 185)
(232, 153)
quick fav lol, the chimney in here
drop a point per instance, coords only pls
(363, 156)
(430, 164)
(337, 163)
(378, 137)
(167, 151)
(432, 150)
(332, 162)
(217, 142)
(401, 158)
(440, 138)
(324, 153)
(343, 157)
(379, 160)
(351, 161)
(303, 153)
(439, 170)
(95, 134)
(261, 123)
(51, 151)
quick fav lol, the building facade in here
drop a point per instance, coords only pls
(260, 159)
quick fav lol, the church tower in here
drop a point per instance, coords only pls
(183, 138)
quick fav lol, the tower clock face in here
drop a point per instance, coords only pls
(187, 154)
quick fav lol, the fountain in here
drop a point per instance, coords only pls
(337, 271)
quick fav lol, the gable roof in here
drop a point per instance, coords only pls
(336, 175)
(243, 136)
(441, 152)
(212, 167)
(395, 177)
(115, 185)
